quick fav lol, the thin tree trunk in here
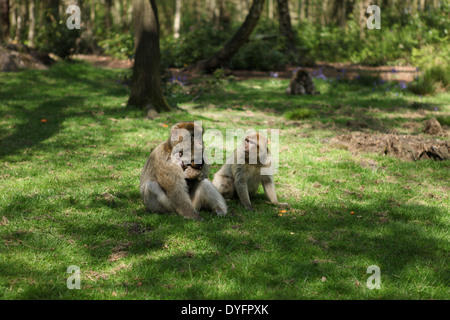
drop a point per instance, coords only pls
(223, 56)
(362, 7)
(311, 10)
(422, 5)
(4, 20)
(130, 13)
(342, 16)
(92, 14)
(116, 14)
(19, 22)
(32, 26)
(324, 13)
(285, 25)
(177, 20)
(270, 12)
(108, 5)
(302, 10)
(339, 12)
(224, 17)
(146, 92)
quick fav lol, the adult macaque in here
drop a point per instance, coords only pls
(301, 83)
(174, 178)
(242, 176)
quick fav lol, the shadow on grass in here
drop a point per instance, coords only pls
(33, 131)
(259, 255)
(62, 92)
(342, 102)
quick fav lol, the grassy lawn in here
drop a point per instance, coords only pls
(71, 155)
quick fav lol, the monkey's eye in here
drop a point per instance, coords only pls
(180, 153)
(246, 140)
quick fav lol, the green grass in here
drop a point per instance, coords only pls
(69, 195)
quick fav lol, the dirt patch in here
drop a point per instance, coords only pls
(104, 61)
(322, 69)
(405, 147)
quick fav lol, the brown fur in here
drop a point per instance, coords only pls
(243, 180)
(167, 184)
(301, 83)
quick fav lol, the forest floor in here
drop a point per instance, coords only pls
(329, 70)
(71, 153)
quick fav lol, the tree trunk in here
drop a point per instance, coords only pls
(146, 92)
(422, 5)
(270, 9)
(116, 14)
(223, 56)
(362, 7)
(285, 25)
(302, 10)
(339, 12)
(108, 5)
(32, 26)
(92, 15)
(177, 20)
(4, 20)
(224, 17)
(19, 22)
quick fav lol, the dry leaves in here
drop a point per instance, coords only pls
(4, 222)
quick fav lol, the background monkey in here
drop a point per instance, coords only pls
(301, 83)
(244, 179)
(171, 181)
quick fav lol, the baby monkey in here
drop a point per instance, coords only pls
(242, 176)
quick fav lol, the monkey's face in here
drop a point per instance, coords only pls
(255, 147)
(187, 148)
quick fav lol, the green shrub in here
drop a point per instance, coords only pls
(423, 86)
(118, 45)
(200, 43)
(300, 114)
(262, 52)
(444, 120)
(258, 55)
(434, 63)
(55, 37)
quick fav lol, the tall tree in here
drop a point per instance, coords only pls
(108, 6)
(146, 91)
(4, 20)
(339, 12)
(270, 10)
(284, 18)
(362, 20)
(302, 5)
(32, 26)
(177, 20)
(223, 56)
(20, 8)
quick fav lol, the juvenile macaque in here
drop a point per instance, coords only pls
(242, 180)
(301, 83)
(174, 178)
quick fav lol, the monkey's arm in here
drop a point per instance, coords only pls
(205, 195)
(269, 189)
(171, 179)
(240, 184)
